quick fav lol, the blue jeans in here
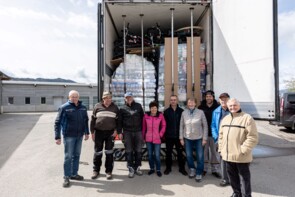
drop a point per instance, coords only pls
(190, 145)
(73, 147)
(154, 152)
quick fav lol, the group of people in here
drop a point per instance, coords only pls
(220, 134)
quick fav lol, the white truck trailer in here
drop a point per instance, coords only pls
(240, 38)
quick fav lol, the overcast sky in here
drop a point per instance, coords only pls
(57, 38)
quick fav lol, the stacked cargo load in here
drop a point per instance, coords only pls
(182, 74)
(130, 74)
(161, 80)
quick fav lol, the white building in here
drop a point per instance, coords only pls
(25, 96)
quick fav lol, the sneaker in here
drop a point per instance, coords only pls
(131, 172)
(216, 174)
(95, 175)
(167, 171)
(138, 172)
(183, 172)
(77, 178)
(109, 175)
(151, 172)
(159, 173)
(192, 173)
(66, 182)
(224, 183)
(199, 178)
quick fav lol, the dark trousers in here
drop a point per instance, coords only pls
(170, 143)
(133, 147)
(103, 139)
(239, 178)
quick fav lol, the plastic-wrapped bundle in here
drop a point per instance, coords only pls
(161, 82)
(203, 66)
(134, 81)
(182, 73)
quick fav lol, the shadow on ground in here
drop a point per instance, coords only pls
(13, 130)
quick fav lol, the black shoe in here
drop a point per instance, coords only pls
(151, 172)
(167, 171)
(95, 175)
(224, 183)
(77, 178)
(159, 173)
(183, 172)
(216, 174)
(236, 195)
(66, 182)
(204, 173)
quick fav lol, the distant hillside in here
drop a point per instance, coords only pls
(45, 80)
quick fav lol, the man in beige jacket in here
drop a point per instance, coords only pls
(237, 137)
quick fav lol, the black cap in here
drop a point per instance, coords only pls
(224, 95)
(210, 92)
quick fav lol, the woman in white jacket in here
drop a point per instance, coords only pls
(193, 134)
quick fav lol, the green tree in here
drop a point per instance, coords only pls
(290, 84)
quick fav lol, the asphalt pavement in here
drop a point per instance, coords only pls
(31, 164)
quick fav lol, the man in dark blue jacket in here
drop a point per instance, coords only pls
(72, 120)
(172, 116)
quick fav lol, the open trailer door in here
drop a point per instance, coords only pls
(245, 54)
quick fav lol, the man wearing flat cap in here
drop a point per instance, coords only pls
(130, 126)
(103, 127)
(210, 155)
(217, 116)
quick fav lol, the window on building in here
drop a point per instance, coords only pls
(27, 100)
(10, 100)
(43, 100)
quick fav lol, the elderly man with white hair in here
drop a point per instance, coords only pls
(237, 137)
(72, 120)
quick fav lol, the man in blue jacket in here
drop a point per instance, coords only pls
(217, 116)
(72, 121)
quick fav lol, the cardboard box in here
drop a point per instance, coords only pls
(193, 73)
(170, 83)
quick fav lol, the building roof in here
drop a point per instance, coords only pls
(3, 76)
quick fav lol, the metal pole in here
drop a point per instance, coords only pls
(142, 60)
(124, 43)
(172, 47)
(192, 46)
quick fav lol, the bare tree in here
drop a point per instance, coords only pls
(290, 84)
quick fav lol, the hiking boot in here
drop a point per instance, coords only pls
(183, 172)
(223, 183)
(159, 173)
(216, 174)
(138, 172)
(66, 182)
(77, 178)
(109, 175)
(167, 171)
(131, 172)
(199, 178)
(151, 172)
(192, 173)
(95, 175)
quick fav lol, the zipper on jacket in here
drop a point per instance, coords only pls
(227, 138)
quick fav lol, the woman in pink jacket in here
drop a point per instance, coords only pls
(153, 129)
